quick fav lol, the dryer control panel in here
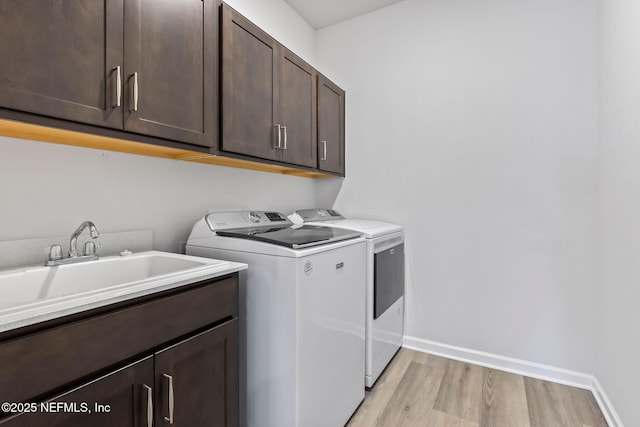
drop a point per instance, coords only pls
(309, 215)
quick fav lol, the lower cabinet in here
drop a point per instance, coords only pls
(122, 396)
(185, 380)
(195, 380)
(193, 384)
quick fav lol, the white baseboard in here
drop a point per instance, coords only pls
(609, 412)
(520, 367)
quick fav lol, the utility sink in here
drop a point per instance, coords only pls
(32, 294)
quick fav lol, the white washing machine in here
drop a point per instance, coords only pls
(303, 326)
(385, 284)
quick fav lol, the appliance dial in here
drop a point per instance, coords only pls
(254, 217)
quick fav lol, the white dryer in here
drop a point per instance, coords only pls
(385, 283)
(302, 329)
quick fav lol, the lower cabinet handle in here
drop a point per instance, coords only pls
(134, 93)
(171, 402)
(279, 130)
(149, 405)
(285, 137)
(324, 150)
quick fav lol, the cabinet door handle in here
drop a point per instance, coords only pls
(324, 150)
(149, 405)
(285, 137)
(134, 93)
(279, 137)
(171, 402)
(117, 87)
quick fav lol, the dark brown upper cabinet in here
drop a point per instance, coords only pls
(170, 49)
(249, 83)
(59, 59)
(268, 96)
(143, 66)
(331, 105)
(298, 108)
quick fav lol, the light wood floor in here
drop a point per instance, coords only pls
(418, 389)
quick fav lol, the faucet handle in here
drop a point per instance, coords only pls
(89, 248)
(55, 254)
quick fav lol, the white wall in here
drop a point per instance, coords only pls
(619, 137)
(48, 189)
(474, 125)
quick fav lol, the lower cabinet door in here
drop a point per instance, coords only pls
(121, 398)
(197, 380)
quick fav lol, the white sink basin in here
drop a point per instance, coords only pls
(35, 292)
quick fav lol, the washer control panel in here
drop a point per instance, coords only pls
(244, 219)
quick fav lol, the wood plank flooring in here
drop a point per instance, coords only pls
(418, 389)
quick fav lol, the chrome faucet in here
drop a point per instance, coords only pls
(55, 251)
(73, 244)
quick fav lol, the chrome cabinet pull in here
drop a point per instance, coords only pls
(134, 93)
(117, 87)
(170, 417)
(324, 150)
(149, 405)
(285, 137)
(279, 139)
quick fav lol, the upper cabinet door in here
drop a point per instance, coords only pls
(60, 59)
(249, 88)
(170, 73)
(298, 110)
(330, 126)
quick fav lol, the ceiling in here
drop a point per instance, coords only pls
(322, 13)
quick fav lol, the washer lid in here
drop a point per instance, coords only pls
(295, 237)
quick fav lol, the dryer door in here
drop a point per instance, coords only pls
(388, 281)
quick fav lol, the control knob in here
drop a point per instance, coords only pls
(254, 217)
